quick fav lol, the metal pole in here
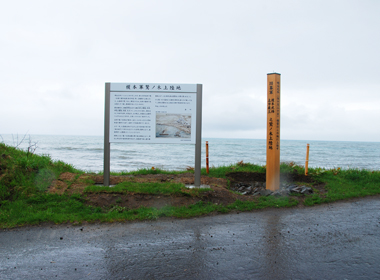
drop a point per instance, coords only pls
(198, 138)
(207, 168)
(107, 150)
(307, 160)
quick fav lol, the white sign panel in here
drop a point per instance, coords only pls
(153, 113)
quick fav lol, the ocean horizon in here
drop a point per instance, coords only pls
(86, 152)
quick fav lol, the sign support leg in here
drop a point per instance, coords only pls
(106, 166)
(198, 138)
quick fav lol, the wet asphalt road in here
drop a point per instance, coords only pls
(335, 241)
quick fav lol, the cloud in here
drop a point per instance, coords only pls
(56, 57)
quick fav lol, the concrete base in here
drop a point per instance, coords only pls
(200, 187)
(101, 185)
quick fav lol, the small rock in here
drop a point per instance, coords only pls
(306, 190)
(249, 190)
(277, 194)
(280, 192)
(265, 192)
(296, 190)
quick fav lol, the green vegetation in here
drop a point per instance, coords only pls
(344, 184)
(221, 171)
(25, 178)
(147, 188)
(23, 174)
(147, 171)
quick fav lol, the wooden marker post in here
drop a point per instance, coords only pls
(207, 169)
(273, 131)
(307, 160)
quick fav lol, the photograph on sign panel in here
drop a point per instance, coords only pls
(173, 125)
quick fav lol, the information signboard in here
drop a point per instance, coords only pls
(153, 113)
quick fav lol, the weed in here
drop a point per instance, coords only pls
(117, 209)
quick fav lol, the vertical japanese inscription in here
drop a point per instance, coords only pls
(273, 132)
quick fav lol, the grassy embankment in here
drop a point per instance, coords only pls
(25, 178)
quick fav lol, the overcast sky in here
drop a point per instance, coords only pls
(56, 57)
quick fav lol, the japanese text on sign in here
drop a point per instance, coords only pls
(147, 115)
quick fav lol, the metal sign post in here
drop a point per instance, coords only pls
(107, 145)
(273, 132)
(198, 139)
(153, 113)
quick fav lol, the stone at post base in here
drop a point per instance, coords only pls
(265, 192)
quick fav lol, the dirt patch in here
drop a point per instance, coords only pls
(71, 183)
(67, 176)
(58, 187)
(320, 188)
(185, 178)
(247, 177)
(218, 195)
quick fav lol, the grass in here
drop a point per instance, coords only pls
(166, 188)
(25, 177)
(61, 209)
(146, 171)
(221, 171)
(344, 184)
(23, 174)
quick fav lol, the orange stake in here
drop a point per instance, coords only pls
(307, 160)
(207, 170)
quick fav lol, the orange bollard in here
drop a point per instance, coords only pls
(207, 168)
(307, 160)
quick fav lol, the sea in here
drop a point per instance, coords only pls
(86, 152)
